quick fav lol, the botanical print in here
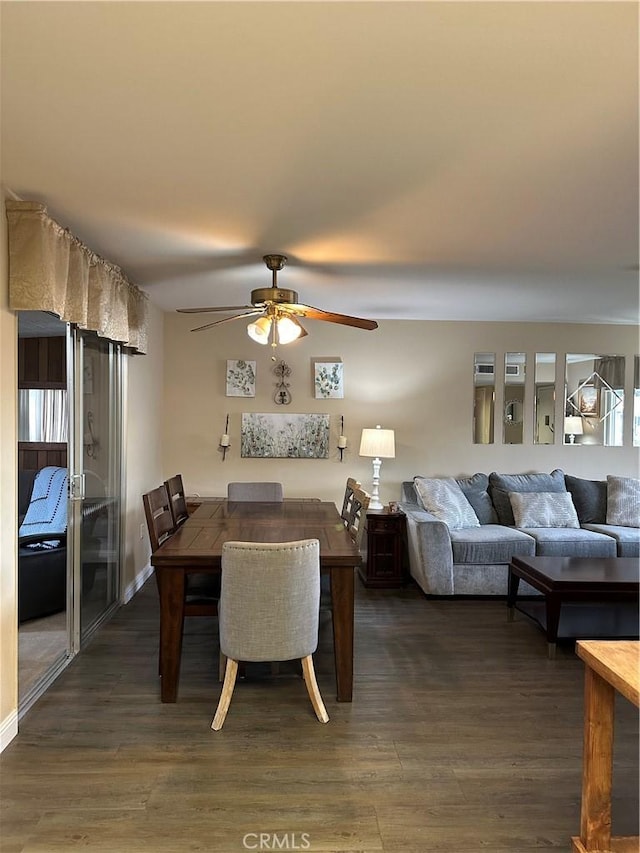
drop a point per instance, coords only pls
(328, 377)
(241, 378)
(285, 436)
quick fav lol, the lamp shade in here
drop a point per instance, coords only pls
(573, 426)
(259, 330)
(378, 442)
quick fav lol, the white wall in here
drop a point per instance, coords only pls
(8, 503)
(412, 376)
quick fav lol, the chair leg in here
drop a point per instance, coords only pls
(222, 666)
(225, 696)
(309, 675)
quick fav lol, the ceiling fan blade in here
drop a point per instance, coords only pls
(219, 308)
(329, 316)
(227, 320)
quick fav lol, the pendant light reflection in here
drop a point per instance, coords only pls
(287, 330)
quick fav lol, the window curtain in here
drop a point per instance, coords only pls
(610, 370)
(51, 270)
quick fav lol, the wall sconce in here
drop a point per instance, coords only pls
(90, 442)
(225, 441)
(379, 443)
(342, 439)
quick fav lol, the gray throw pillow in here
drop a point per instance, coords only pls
(543, 509)
(589, 499)
(444, 498)
(623, 501)
(475, 490)
(501, 484)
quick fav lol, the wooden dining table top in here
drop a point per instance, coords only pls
(199, 540)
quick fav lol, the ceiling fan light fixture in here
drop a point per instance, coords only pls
(289, 330)
(259, 330)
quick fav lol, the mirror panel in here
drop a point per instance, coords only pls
(544, 399)
(636, 401)
(594, 399)
(484, 368)
(515, 364)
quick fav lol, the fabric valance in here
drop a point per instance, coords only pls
(51, 270)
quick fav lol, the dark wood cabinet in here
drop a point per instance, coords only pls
(384, 552)
(42, 362)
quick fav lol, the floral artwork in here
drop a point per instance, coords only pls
(285, 436)
(328, 380)
(241, 378)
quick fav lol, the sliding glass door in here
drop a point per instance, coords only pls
(95, 477)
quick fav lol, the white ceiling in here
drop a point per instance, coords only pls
(437, 160)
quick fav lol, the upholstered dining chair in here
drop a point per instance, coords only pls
(177, 499)
(359, 506)
(351, 485)
(269, 611)
(258, 491)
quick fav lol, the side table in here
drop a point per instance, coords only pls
(383, 561)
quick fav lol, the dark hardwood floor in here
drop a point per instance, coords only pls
(463, 736)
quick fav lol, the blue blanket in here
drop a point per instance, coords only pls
(47, 511)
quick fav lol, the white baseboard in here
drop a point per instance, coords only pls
(8, 730)
(137, 583)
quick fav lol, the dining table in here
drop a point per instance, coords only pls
(196, 547)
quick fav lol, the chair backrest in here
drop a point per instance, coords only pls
(157, 510)
(351, 486)
(269, 600)
(267, 492)
(359, 506)
(177, 499)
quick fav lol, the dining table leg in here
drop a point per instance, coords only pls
(171, 582)
(342, 608)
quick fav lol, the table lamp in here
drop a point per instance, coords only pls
(573, 427)
(379, 443)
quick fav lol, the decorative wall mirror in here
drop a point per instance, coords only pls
(594, 399)
(544, 398)
(514, 376)
(484, 368)
(636, 401)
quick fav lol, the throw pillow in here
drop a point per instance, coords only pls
(444, 498)
(623, 501)
(589, 499)
(475, 490)
(501, 484)
(543, 509)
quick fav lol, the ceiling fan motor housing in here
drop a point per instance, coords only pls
(279, 295)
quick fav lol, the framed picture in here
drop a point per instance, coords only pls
(589, 401)
(328, 380)
(241, 378)
(284, 436)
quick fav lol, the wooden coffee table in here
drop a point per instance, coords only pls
(574, 579)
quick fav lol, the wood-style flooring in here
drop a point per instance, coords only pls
(462, 737)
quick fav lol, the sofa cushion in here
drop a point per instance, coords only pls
(444, 498)
(490, 543)
(501, 484)
(476, 491)
(571, 542)
(543, 509)
(623, 501)
(627, 538)
(589, 498)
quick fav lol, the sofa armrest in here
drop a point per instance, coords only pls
(430, 552)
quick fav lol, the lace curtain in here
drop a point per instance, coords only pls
(51, 270)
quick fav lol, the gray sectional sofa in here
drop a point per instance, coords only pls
(464, 547)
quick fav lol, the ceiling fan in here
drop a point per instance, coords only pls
(277, 310)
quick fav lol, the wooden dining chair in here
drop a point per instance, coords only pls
(351, 486)
(257, 491)
(177, 499)
(269, 611)
(359, 506)
(201, 591)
